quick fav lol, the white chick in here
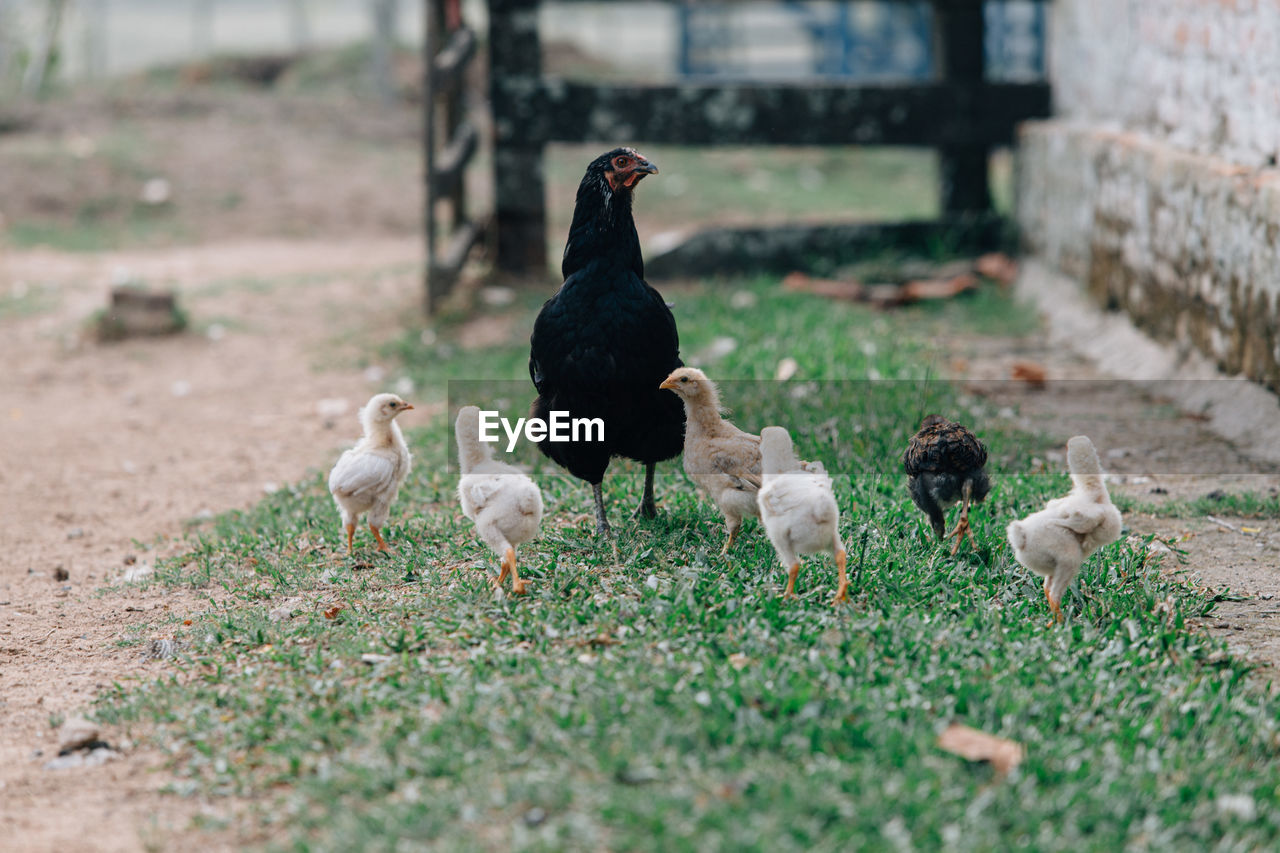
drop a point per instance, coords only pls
(798, 509)
(721, 459)
(1055, 541)
(503, 502)
(368, 476)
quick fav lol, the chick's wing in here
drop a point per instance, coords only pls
(362, 475)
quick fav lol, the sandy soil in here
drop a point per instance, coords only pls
(108, 449)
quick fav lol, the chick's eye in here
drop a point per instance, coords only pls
(684, 378)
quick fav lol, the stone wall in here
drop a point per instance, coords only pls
(1156, 186)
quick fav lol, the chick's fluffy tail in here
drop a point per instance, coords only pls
(1086, 469)
(1017, 536)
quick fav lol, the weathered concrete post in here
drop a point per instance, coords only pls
(515, 70)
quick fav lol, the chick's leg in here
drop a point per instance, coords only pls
(791, 580)
(919, 488)
(1054, 607)
(602, 521)
(647, 508)
(509, 565)
(382, 543)
(962, 524)
(732, 526)
(842, 586)
(351, 537)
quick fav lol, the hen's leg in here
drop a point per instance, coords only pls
(351, 538)
(647, 508)
(382, 543)
(791, 580)
(842, 588)
(602, 521)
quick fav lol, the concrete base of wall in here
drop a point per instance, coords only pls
(1241, 411)
(1187, 245)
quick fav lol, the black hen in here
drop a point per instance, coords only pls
(946, 463)
(605, 342)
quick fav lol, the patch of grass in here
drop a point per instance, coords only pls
(1232, 504)
(745, 186)
(94, 236)
(670, 699)
(22, 299)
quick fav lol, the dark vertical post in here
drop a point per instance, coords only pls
(431, 38)
(515, 80)
(958, 36)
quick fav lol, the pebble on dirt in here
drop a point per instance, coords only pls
(76, 733)
(60, 573)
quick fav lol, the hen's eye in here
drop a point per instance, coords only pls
(621, 162)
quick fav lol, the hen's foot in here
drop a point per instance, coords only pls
(647, 508)
(602, 521)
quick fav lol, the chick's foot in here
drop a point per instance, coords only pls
(518, 587)
(791, 581)
(960, 531)
(842, 586)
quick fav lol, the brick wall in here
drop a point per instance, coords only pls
(1156, 186)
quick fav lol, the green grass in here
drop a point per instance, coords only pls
(671, 700)
(700, 187)
(22, 299)
(1232, 504)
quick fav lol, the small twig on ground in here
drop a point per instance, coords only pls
(1225, 524)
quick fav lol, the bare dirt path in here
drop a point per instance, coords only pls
(106, 448)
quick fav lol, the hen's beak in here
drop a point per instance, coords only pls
(645, 167)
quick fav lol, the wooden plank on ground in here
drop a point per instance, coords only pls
(784, 249)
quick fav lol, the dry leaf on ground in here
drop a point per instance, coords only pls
(973, 745)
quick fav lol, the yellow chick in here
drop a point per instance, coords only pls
(1055, 542)
(799, 510)
(368, 476)
(722, 460)
(504, 503)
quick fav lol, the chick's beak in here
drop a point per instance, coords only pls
(668, 384)
(406, 407)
